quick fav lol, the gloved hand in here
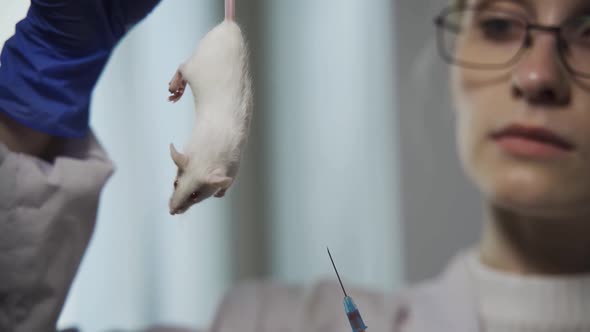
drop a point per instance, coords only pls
(50, 66)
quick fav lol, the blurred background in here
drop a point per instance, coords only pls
(352, 147)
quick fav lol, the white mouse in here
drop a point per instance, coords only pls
(219, 78)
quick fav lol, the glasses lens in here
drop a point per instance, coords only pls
(577, 40)
(481, 37)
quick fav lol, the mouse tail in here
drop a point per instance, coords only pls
(230, 10)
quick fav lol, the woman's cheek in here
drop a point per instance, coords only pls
(466, 143)
(473, 119)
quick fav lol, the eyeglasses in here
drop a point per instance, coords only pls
(495, 38)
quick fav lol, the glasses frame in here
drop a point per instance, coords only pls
(561, 45)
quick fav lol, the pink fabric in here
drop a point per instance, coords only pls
(444, 304)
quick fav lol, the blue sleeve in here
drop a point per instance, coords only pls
(50, 66)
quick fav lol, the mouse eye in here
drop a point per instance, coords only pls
(195, 195)
(175, 183)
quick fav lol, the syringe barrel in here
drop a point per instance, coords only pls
(354, 316)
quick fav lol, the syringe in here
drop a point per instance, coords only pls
(352, 312)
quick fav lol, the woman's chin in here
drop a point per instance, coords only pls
(530, 204)
(535, 192)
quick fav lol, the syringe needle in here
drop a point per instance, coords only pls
(334, 265)
(352, 312)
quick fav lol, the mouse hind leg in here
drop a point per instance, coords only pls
(176, 86)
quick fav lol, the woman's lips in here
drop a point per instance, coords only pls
(533, 142)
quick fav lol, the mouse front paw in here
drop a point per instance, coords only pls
(176, 87)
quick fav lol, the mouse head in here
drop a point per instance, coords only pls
(194, 182)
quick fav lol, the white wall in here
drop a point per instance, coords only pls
(334, 149)
(441, 209)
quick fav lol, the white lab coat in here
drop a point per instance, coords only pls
(47, 215)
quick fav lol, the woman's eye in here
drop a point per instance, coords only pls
(583, 29)
(576, 34)
(499, 29)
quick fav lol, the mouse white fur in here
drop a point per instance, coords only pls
(219, 79)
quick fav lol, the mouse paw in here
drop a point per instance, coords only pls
(220, 193)
(176, 87)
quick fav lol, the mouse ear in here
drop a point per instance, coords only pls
(219, 180)
(179, 159)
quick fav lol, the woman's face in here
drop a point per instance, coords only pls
(524, 132)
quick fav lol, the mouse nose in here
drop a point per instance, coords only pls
(173, 208)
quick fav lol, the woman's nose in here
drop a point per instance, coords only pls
(540, 77)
